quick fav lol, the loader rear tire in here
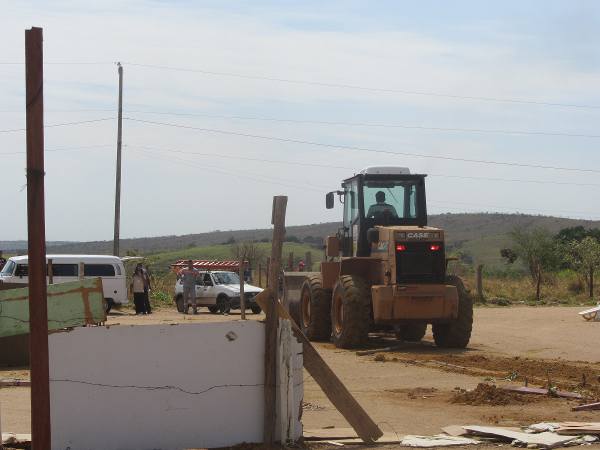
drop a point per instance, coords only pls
(315, 309)
(457, 333)
(411, 332)
(350, 312)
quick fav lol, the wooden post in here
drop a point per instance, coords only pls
(259, 275)
(592, 282)
(479, 282)
(81, 270)
(118, 175)
(538, 283)
(308, 261)
(291, 262)
(267, 269)
(271, 322)
(242, 296)
(36, 235)
(50, 272)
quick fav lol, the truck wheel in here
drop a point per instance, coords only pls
(223, 304)
(255, 309)
(350, 312)
(411, 332)
(315, 309)
(179, 303)
(213, 309)
(457, 332)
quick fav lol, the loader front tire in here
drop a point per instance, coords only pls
(315, 307)
(457, 333)
(350, 312)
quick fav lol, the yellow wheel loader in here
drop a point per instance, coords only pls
(384, 270)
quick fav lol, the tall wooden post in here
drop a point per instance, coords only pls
(267, 269)
(117, 229)
(36, 235)
(479, 282)
(308, 261)
(278, 221)
(242, 296)
(50, 271)
(259, 275)
(291, 262)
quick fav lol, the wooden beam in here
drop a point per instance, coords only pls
(331, 385)
(36, 239)
(270, 308)
(69, 305)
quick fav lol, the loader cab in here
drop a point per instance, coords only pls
(378, 196)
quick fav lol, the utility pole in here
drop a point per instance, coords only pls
(36, 241)
(118, 186)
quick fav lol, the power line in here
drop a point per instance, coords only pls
(189, 163)
(365, 88)
(360, 149)
(81, 122)
(63, 149)
(330, 166)
(339, 123)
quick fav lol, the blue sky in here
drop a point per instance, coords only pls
(544, 51)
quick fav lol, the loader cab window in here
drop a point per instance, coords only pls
(390, 201)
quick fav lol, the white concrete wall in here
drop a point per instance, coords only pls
(160, 386)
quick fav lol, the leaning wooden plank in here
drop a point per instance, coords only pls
(331, 385)
(587, 407)
(541, 391)
(69, 305)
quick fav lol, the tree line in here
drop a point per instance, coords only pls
(543, 253)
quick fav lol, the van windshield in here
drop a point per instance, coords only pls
(8, 268)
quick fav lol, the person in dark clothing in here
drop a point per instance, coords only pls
(2, 260)
(147, 290)
(138, 287)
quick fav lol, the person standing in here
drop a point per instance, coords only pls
(147, 288)
(2, 260)
(138, 287)
(188, 279)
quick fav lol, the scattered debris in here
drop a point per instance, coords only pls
(345, 436)
(379, 350)
(455, 430)
(16, 440)
(414, 393)
(488, 394)
(579, 428)
(592, 314)
(500, 301)
(308, 406)
(544, 439)
(542, 391)
(587, 407)
(439, 440)
(14, 382)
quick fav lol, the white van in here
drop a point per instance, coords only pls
(66, 268)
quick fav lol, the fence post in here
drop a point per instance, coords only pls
(242, 296)
(308, 261)
(272, 320)
(259, 275)
(291, 262)
(81, 270)
(50, 272)
(479, 282)
(267, 270)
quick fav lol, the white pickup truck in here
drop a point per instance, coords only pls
(219, 291)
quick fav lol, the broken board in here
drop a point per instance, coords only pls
(70, 305)
(545, 439)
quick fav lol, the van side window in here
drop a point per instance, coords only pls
(99, 270)
(64, 270)
(118, 268)
(22, 270)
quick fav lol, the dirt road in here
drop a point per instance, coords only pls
(413, 390)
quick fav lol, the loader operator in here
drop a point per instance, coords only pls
(188, 278)
(380, 209)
